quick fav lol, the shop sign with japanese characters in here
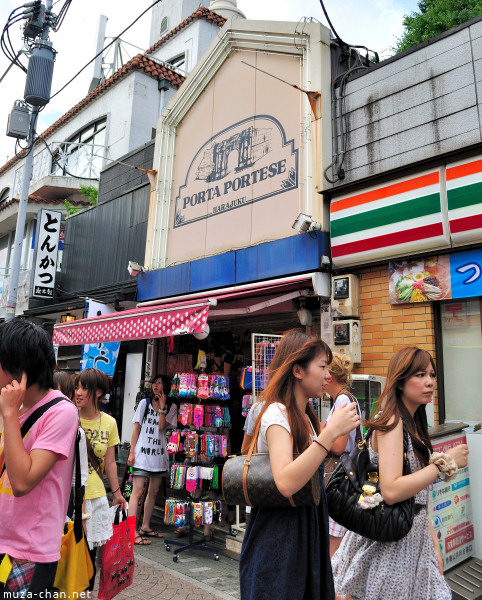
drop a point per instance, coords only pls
(49, 222)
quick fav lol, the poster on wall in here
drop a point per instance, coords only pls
(451, 509)
(436, 278)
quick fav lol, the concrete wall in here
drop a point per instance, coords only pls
(175, 11)
(131, 387)
(192, 41)
(420, 104)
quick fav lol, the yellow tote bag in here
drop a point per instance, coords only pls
(74, 568)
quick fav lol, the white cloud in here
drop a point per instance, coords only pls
(374, 24)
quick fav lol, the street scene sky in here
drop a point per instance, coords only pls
(375, 25)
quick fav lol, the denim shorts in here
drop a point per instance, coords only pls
(143, 473)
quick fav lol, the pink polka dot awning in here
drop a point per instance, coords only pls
(135, 324)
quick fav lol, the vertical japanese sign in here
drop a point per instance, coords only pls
(451, 509)
(48, 234)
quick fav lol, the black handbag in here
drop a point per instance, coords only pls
(355, 483)
(332, 460)
(248, 481)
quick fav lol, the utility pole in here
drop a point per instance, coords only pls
(37, 95)
(21, 217)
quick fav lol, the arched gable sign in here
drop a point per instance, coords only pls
(244, 163)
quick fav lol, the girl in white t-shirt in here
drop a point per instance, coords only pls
(148, 455)
(338, 387)
(285, 552)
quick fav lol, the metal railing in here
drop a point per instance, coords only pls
(64, 159)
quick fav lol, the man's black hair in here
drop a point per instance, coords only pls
(26, 347)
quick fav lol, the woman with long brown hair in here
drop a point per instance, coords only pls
(411, 568)
(285, 551)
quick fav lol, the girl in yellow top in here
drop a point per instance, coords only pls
(91, 386)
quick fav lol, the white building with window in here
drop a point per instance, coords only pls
(115, 118)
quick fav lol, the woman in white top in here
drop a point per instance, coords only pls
(285, 553)
(338, 387)
(148, 453)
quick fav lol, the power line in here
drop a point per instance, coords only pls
(8, 68)
(105, 48)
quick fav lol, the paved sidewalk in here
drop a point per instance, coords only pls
(195, 576)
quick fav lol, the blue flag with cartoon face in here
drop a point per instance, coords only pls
(102, 356)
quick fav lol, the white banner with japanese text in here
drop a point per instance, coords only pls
(48, 234)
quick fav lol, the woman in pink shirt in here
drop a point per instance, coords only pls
(36, 465)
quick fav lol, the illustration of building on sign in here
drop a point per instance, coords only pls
(251, 144)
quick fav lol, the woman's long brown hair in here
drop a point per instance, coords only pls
(403, 364)
(295, 348)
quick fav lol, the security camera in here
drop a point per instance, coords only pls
(135, 268)
(304, 223)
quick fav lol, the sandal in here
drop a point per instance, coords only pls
(142, 541)
(150, 533)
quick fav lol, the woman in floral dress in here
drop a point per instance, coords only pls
(412, 568)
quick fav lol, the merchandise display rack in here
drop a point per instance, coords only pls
(263, 347)
(198, 545)
(181, 545)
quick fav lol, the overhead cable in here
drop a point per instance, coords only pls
(105, 48)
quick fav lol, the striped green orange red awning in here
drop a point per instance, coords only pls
(464, 200)
(387, 220)
(423, 212)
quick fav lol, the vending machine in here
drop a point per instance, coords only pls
(367, 390)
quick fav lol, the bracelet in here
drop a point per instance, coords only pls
(320, 444)
(163, 410)
(445, 463)
(115, 491)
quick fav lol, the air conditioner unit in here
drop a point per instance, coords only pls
(347, 338)
(345, 296)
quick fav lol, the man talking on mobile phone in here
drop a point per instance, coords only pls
(36, 461)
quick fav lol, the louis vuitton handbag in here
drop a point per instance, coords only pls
(248, 481)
